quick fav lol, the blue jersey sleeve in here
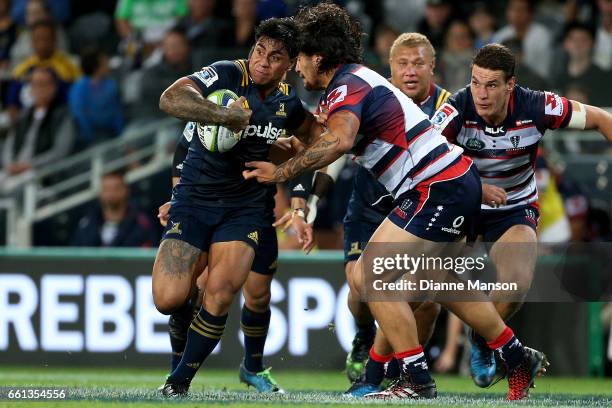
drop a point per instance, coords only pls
(220, 75)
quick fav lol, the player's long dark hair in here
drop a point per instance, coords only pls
(283, 30)
(329, 31)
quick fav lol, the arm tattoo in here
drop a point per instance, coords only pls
(178, 258)
(186, 103)
(320, 153)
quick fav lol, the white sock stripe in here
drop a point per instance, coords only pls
(412, 359)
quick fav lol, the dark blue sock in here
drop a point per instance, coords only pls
(508, 349)
(414, 365)
(255, 328)
(178, 325)
(375, 367)
(366, 331)
(393, 369)
(202, 338)
(374, 372)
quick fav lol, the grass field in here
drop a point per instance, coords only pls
(105, 387)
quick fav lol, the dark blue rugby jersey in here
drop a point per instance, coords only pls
(213, 178)
(505, 155)
(370, 198)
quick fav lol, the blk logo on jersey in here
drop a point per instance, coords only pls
(494, 131)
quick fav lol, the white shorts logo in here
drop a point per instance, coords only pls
(458, 221)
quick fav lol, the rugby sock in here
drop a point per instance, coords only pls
(508, 349)
(414, 365)
(255, 328)
(375, 367)
(393, 369)
(178, 324)
(366, 331)
(202, 338)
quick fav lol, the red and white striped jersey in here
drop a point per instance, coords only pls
(505, 155)
(396, 140)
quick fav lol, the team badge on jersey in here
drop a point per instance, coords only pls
(515, 140)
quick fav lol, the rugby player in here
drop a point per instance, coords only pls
(425, 174)
(256, 295)
(499, 125)
(412, 61)
(217, 218)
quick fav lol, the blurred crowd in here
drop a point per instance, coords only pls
(77, 73)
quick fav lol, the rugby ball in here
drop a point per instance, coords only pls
(218, 138)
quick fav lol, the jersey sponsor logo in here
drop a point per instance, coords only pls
(444, 116)
(553, 104)
(494, 131)
(457, 222)
(515, 140)
(299, 187)
(523, 122)
(268, 132)
(336, 96)
(188, 131)
(254, 236)
(474, 144)
(208, 75)
(281, 110)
